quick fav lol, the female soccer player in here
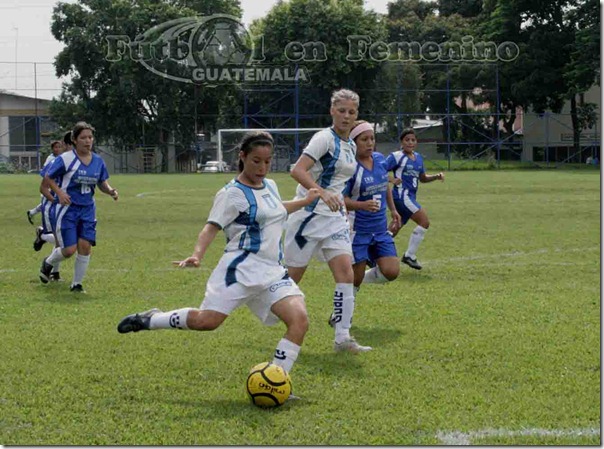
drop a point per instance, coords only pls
(79, 171)
(322, 227)
(366, 195)
(408, 168)
(250, 211)
(46, 233)
(56, 148)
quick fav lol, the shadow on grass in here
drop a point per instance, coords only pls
(376, 336)
(58, 292)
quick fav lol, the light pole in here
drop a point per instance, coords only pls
(16, 52)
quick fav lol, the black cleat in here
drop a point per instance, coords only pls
(45, 271)
(29, 218)
(38, 242)
(77, 288)
(413, 263)
(332, 320)
(136, 322)
(55, 276)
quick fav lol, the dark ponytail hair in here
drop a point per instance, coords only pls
(405, 132)
(252, 140)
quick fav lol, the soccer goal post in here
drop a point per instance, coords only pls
(289, 143)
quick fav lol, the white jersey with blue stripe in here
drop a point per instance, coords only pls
(334, 165)
(407, 170)
(77, 179)
(253, 220)
(367, 185)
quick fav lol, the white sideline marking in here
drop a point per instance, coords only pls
(512, 254)
(116, 270)
(465, 438)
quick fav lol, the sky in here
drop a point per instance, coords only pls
(25, 39)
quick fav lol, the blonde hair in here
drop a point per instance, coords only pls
(345, 94)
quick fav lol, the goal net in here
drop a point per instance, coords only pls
(289, 144)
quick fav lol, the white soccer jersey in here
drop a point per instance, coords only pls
(253, 221)
(334, 165)
(51, 157)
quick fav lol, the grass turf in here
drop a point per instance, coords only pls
(500, 330)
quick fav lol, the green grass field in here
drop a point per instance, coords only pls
(495, 342)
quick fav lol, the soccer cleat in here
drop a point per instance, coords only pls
(136, 322)
(293, 397)
(332, 320)
(39, 242)
(29, 217)
(413, 263)
(350, 345)
(45, 271)
(77, 288)
(55, 276)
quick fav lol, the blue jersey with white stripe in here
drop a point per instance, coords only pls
(366, 185)
(406, 169)
(77, 179)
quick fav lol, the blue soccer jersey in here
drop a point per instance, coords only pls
(406, 169)
(77, 179)
(366, 185)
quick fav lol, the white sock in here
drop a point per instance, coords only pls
(49, 238)
(286, 354)
(81, 265)
(55, 267)
(414, 240)
(343, 309)
(55, 256)
(35, 210)
(174, 319)
(374, 276)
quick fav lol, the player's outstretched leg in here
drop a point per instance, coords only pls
(136, 322)
(186, 318)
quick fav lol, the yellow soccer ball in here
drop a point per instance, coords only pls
(268, 385)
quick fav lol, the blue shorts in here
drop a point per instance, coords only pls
(407, 206)
(371, 247)
(48, 216)
(75, 222)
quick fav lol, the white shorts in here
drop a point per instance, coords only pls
(224, 299)
(308, 234)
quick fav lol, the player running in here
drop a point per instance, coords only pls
(57, 147)
(250, 212)
(408, 168)
(322, 227)
(78, 171)
(367, 195)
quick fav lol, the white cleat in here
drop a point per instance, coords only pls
(350, 345)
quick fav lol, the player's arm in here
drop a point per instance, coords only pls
(301, 174)
(106, 188)
(396, 218)
(294, 205)
(48, 183)
(204, 239)
(423, 177)
(46, 191)
(368, 205)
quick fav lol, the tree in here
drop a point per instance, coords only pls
(583, 69)
(127, 104)
(323, 29)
